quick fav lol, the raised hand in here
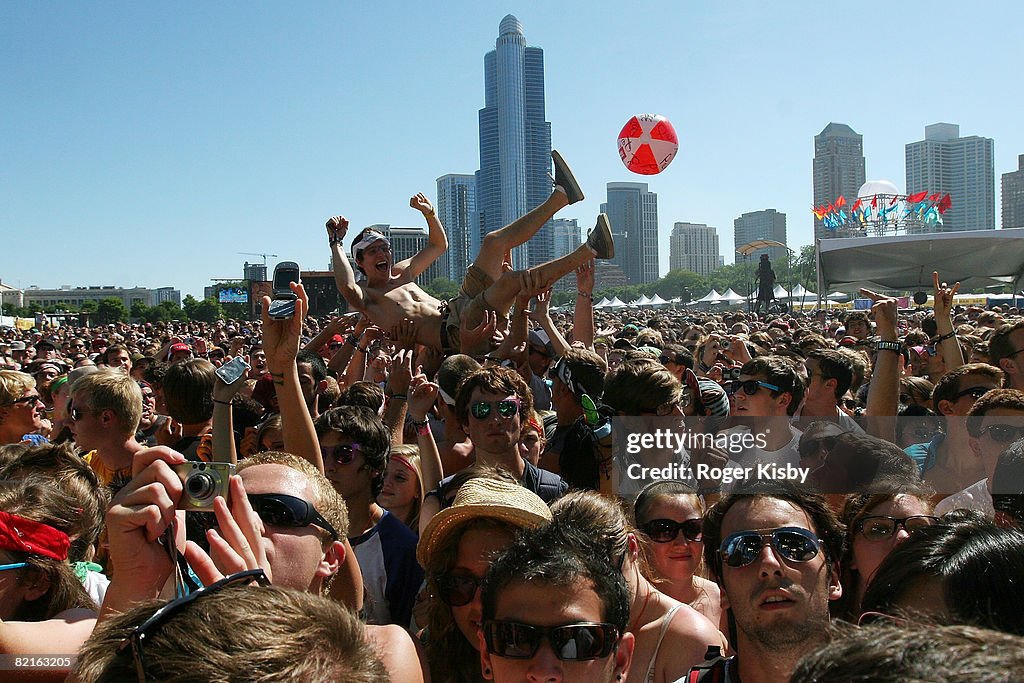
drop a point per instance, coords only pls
(422, 395)
(281, 337)
(422, 204)
(585, 277)
(943, 296)
(337, 226)
(885, 310)
(404, 334)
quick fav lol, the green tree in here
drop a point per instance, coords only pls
(443, 288)
(189, 305)
(681, 283)
(738, 276)
(206, 311)
(168, 310)
(110, 310)
(140, 311)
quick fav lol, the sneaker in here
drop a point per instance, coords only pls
(600, 238)
(565, 179)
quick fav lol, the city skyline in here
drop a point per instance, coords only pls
(155, 143)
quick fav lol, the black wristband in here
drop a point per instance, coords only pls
(945, 337)
(223, 403)
(414, 423)
(889, 346)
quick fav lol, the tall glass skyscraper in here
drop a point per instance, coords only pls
(633, 213)
(515, 141)
(456, 206)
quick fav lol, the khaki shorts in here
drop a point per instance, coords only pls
(467, 309)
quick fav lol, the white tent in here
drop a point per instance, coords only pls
(779, 291)
(616, 303)
(603, 303)
(658, 301)
(800, 292)
(711, 297)
(732, 297)
(642, 301)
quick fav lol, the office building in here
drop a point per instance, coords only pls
(768, 224)
(633, 213)
(566, 235)
(838, 168)
(1013, 196)
(76, 296)
(694, 247)
(964, 168)
(456, 209)
(515, 141)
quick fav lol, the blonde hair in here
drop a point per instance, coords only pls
(410, 454)
(14, 385)
(112, 390)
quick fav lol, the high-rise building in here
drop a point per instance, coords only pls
(515, 141)
(633, 214)
(456, 207)
(256, 272)
(693, 247)
(566, 235)
(768, 224)
(964, 168)
(838, 168)
(1013, 196)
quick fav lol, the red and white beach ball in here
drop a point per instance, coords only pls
(648, 143)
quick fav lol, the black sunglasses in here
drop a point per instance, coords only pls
(27, 399)
(280, 509)
(138, 636)
(458, 590)
(750, 386)
(667, 530)
(791, 543)
(882, 528)
(570, 643)
(1003, 433)
(506, 408)
(973, 392)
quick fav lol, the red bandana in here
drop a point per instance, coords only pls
(25, 536)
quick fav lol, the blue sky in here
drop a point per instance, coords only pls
(146, 144)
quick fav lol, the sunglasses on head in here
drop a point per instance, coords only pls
(667, 530)
(506, 408)
(973, 392)
(143, 631)
(750, 386)
(344, 454)
(280, 509)
(457, 590)
(1003, 433)
(570, 643)
(791, 543)
(882, 528)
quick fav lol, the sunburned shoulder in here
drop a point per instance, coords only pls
(398, 652)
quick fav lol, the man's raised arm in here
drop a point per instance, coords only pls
(437, 241)
(344, 278)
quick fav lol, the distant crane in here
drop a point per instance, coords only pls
(249, 253)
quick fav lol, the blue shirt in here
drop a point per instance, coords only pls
(925, 454)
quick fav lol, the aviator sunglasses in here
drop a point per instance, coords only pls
(506, 408)
(791, 543)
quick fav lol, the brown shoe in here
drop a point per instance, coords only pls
(600, 238)
(565, 179)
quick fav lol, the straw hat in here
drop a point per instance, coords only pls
(483, 498)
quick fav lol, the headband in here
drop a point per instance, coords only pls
(403, 461)
(369, 237)
(445, 397)
(26, 536)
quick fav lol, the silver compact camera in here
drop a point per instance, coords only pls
(201, 483)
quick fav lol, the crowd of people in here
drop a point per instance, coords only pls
(439, 490)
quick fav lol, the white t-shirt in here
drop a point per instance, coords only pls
(974, 497)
